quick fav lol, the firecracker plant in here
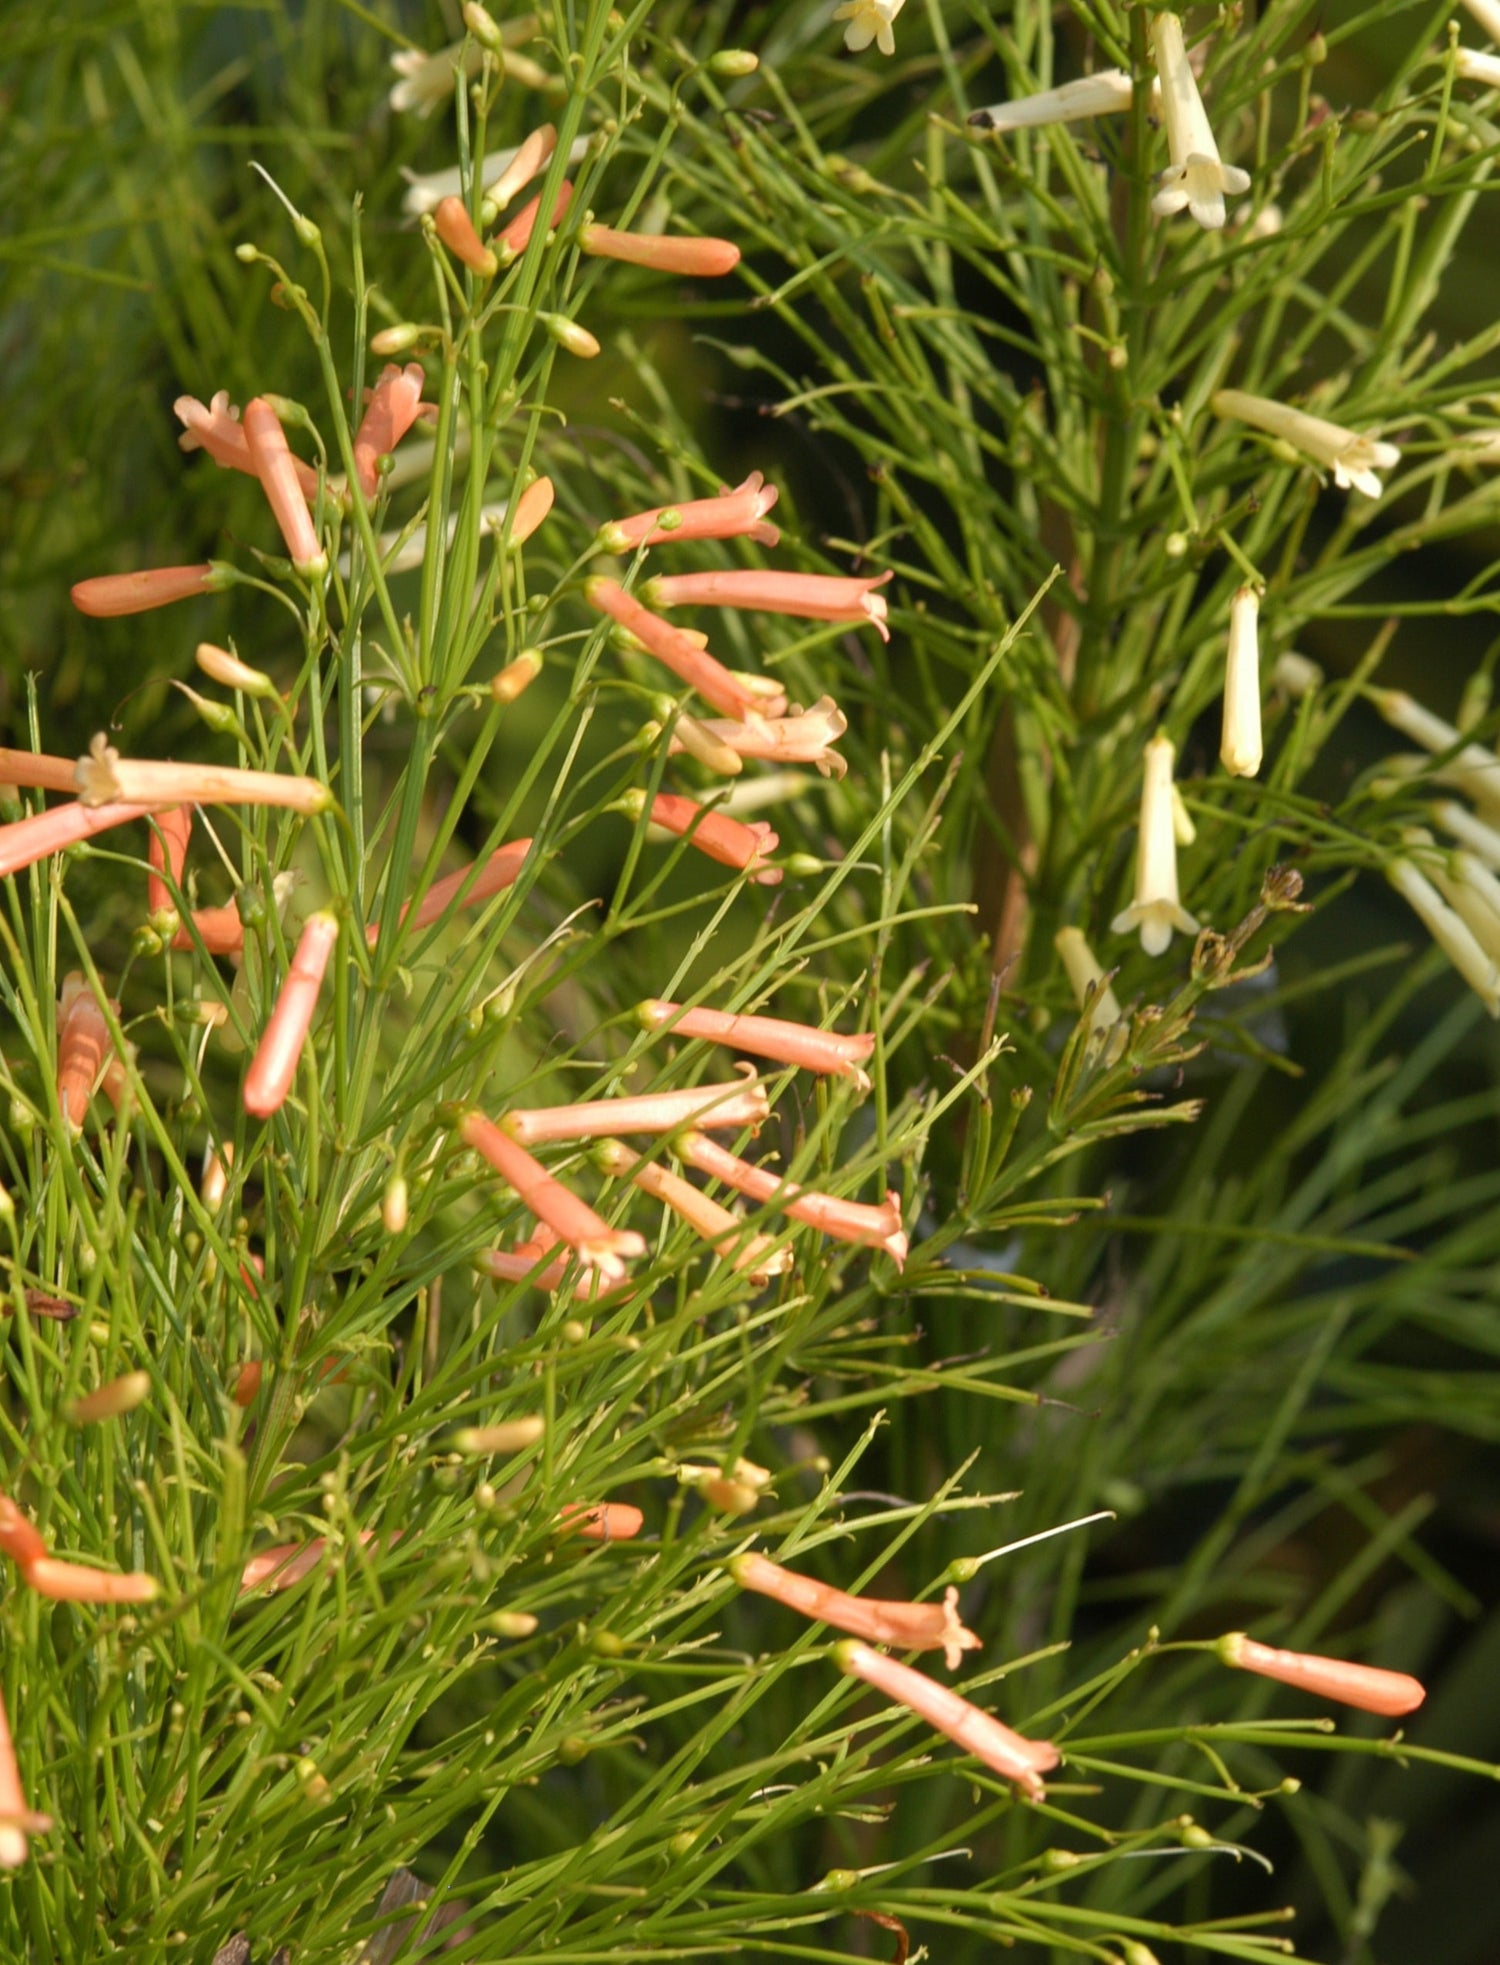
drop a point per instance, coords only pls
(710, 1245)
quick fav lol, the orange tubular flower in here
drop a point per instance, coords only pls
(1366, 1686)
(813, 596)
(276, 468)
(805, 738)
(573, 1221)
(269, 1078)
(83, 1044)
(26, 841)
(392, 409)
(767, 1037)
(753, 1254)
(731, 842)
(245, 1386)
(519, 1265)
(456, 230)
(491, 877)
(1009, 1754)
(217, 430)
(138, 593)
(737, 514)
(909, 1626)
(166, 849)
(610, 1521)
(707, 258)
(846, 1221)
(220, 930)
(532, 157)
(736, 1105)
(17, 1821)
(533, 505)
(517, 235)
(34, 772)
(77, 1582)
(288, 1562)
(104, 778)
(681, 654)
(18, 1539)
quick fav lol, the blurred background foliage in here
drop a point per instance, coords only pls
(1290, 1398)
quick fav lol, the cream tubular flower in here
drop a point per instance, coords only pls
(1473, 767)
(1487, 13)
(1090, 990)
(1240, 745)
(1480, 839)
(1475, 66)
(1156, 910)
(1106, 94)
(1353, 459)
(869, 20)
(1195, 177)
(1450, 931)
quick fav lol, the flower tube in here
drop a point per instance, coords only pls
(105, 778)
(606, 1521)
(25, 841)
(1195, 177)
(1240, 746)
(110, 594)
(597, 1245)
(754, 1254)
(393, 407)
(217, 430)
(78, 1582)
(1487, 13)
(1468, 886)
(1474, 65)
(1473, 766)
(517, 235)
(166, 850)
(908, 1626)
(456, 230)
(1353, 459)
(812, 596)
(1156, 910)
(18, 1538)
(17, 1821)
(1449, 930)
(519, 1265)
(767, 1037)
(1369, 1687)
(1090, 991)
(32, 771)
(83, 1044)
(220, 930)
(704, 257)
(732, 842)
(289, 1562)
(502, 174)
(737, 514)
(805, 737)
(1482, 840)
(846, 1221)
(742, 1103)
(1106, 93)
(490, 877)
(1010, 1754)
(274, 1065)
(276, 468)
(689, 662)
(230, 672)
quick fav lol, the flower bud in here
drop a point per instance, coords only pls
(393, 1204)
(568, 334)
(509, 1436)
(230, 672)
(731, 62)
(508, 683)
(511, 1623)
(111, 1401)
(482, 24)
(396, 340)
